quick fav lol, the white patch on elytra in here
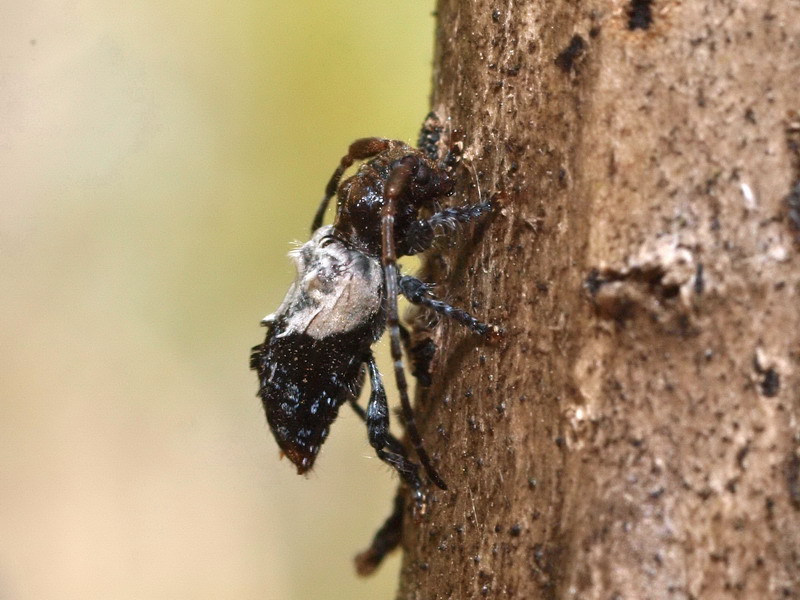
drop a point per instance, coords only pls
(337, 289)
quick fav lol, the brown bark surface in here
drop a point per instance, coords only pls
(634, 434)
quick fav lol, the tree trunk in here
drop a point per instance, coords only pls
(634, 433)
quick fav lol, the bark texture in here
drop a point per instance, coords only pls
(635, 432)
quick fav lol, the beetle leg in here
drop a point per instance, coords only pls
(392, 443)
(400, 177)
(420, 353)
(421, 234)
(388, 449)
(386, 539)
(359, 150)
(419, 292)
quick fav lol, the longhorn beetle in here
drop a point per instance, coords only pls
(318, 342)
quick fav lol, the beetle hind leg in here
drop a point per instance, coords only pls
(387, 447)
(386, 539)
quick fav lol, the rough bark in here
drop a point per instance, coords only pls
(634, 434)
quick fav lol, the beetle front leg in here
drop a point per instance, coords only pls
(421, 234)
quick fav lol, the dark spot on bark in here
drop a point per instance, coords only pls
(750, 116)
(593, 282)
(793, 479)
(532, 483)
(594, 31)
(640, 14)
(621, 295)
(793, 143)
(670, 291)
(566, 59)
(741, 454)
(515, 530)
(771, 384)
(701, 98)
(793, 207)
(496, 15)
(699, 281)
(705, 493)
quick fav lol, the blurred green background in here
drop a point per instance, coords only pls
(156, 161)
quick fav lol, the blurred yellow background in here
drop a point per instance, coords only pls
(156, 161)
